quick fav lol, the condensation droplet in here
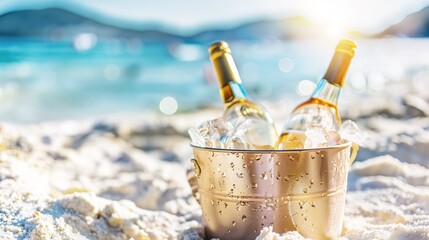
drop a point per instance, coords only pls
(278, 163)
(258, 157)
(212, 202)
(226, 205)
(291, 158)
(311, 181)
(237, 155)
(244, 165)
(264, 217)
(233, 223)
(287, 178)
(313, 204)
(254, 185)
(223, 174)
(322, 156)
(212, 186)
(307, 172)
(321, 182)
(243, 218)
(264, 176)
(312, 156)
(232, 165)
(305, 190)
(239, 175)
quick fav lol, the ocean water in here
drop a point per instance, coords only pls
(42, 80)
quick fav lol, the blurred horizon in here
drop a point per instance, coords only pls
(192, 17)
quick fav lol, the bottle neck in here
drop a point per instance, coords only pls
(327, 92)
(338, 67)
(229, 79)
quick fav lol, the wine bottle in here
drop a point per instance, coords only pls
(322, 107)
(251, 118)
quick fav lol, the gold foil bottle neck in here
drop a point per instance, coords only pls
(226, 71)
(346, 46)
(340, 62)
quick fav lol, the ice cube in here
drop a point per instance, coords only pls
(316, 137)
(255, 134)
(235, 142)
(291, 140)
(351, 132)
(211, 133)
(332, 137)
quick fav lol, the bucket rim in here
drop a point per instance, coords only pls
(340, 146)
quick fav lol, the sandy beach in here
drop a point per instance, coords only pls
(124, 177)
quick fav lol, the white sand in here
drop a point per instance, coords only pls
(126, 180)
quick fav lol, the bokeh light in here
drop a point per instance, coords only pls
(306, 87)
(286, 64)
(358, 81)
(168, 106)
(84, 41)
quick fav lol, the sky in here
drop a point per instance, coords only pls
(191, 16)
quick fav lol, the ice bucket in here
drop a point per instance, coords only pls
(243, 191)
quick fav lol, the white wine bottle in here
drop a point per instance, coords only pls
(252, 119)
(321, 109)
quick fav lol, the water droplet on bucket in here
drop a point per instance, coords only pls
(313, 156)
(291, 158)
(244, 165)
(258, 157)
(287, 178)
(226, 205)
(233, 223)
(239, 175)
(264, 176)
(212, 186)
(232, 165)
(305, 190)
(313, 204)
(212, 202)
(243, 218)
(223, 174)
(237, 155)
(278, 163)
(254, 185)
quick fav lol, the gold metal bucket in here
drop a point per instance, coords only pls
(243, 191)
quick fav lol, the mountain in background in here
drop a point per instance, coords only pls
(414, 25)
(60, 24)
(55, 23)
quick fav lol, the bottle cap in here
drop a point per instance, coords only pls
(218, 49)
(346, 46)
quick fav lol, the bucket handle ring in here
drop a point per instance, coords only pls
(355, 149)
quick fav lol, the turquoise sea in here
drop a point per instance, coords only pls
(42, 80)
